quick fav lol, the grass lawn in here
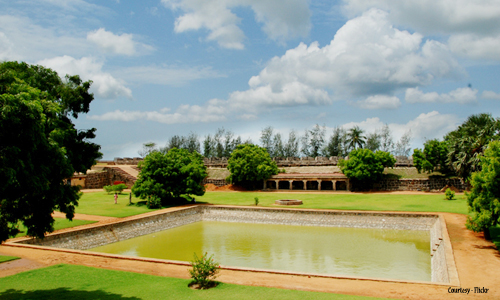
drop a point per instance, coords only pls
(79, 282)
(4, 258)
(59, 223)
(102, 204)
(353, 201)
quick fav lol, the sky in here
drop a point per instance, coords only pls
(170, 67)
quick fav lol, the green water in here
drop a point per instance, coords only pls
(381, 253)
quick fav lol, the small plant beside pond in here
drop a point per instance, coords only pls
(449, 194)
(204, 271)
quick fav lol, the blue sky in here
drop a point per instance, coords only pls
(169, 67)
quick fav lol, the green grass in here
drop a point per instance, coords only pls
(60, 223)
(79, 282)
(353, 201)
(102, 204)
(4, 258)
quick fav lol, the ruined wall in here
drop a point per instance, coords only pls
(117, 174)
(216, 182)
(419, 184)
(96, 180)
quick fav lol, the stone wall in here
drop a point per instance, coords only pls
(117, 174)
(419, 184)
(96, 180)
(216, 182)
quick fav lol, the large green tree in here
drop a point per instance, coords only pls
(432, 158)
(166, 176)
(484, 198)
(40, 146)
(250, 164)
(366, 166)
(467, 143)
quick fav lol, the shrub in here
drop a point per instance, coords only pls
(118, 182)
(115, 188)
(256, 201)
(205, 269)
(108, 188)
(449, 194)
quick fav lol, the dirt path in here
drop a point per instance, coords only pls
(477, 261)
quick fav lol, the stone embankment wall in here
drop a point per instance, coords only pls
(215, 162)
(419, 184)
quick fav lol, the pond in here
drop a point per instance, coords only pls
(362, 252)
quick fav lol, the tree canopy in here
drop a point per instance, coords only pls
(483, 200)
(249, 164)
(40, 146)
(166, 176)
(366, 166)
(355, 138)
(432, 158)
(468, 142)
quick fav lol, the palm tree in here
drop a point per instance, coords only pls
(355, 138)
(467, 144)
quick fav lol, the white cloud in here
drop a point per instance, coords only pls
(460, 95)
(109, 42)
(7, 49)
(490, 95)
(436, 16)
(379, 102)
(185, 114)
(166, 75)
(104, 84)
(474, 25)
(476, 46)
(281, 19)
(432, 125)
(367, 56)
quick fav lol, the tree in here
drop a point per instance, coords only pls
(209, 146)
(403, 145)
(192, 143)
(291, 148)
(313, 140)
(468, 142)
(373, 141)
(279, 149)
(166, 176)
(266, 139)
(365, 166)
(250, 164)
(386, 142)
(40, 146)
(335, 146)
(432, 158)
(355, 138)
(147, 148)
(483, 200)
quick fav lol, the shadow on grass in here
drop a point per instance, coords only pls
(61, 293)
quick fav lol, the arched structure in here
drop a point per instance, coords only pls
(309, 181)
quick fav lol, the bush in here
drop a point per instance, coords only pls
(256, 201)
(449, 194)
(205, 269)
(115, 188)
(250, 164)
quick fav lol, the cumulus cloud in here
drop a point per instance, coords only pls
(460, 95)
(104, 84)
(110, 42)
(490, 95)
(367, 56)
(281, 19)
(473, 25)
(379, 102)
(432, 125)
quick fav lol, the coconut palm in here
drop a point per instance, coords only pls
(355, 138)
